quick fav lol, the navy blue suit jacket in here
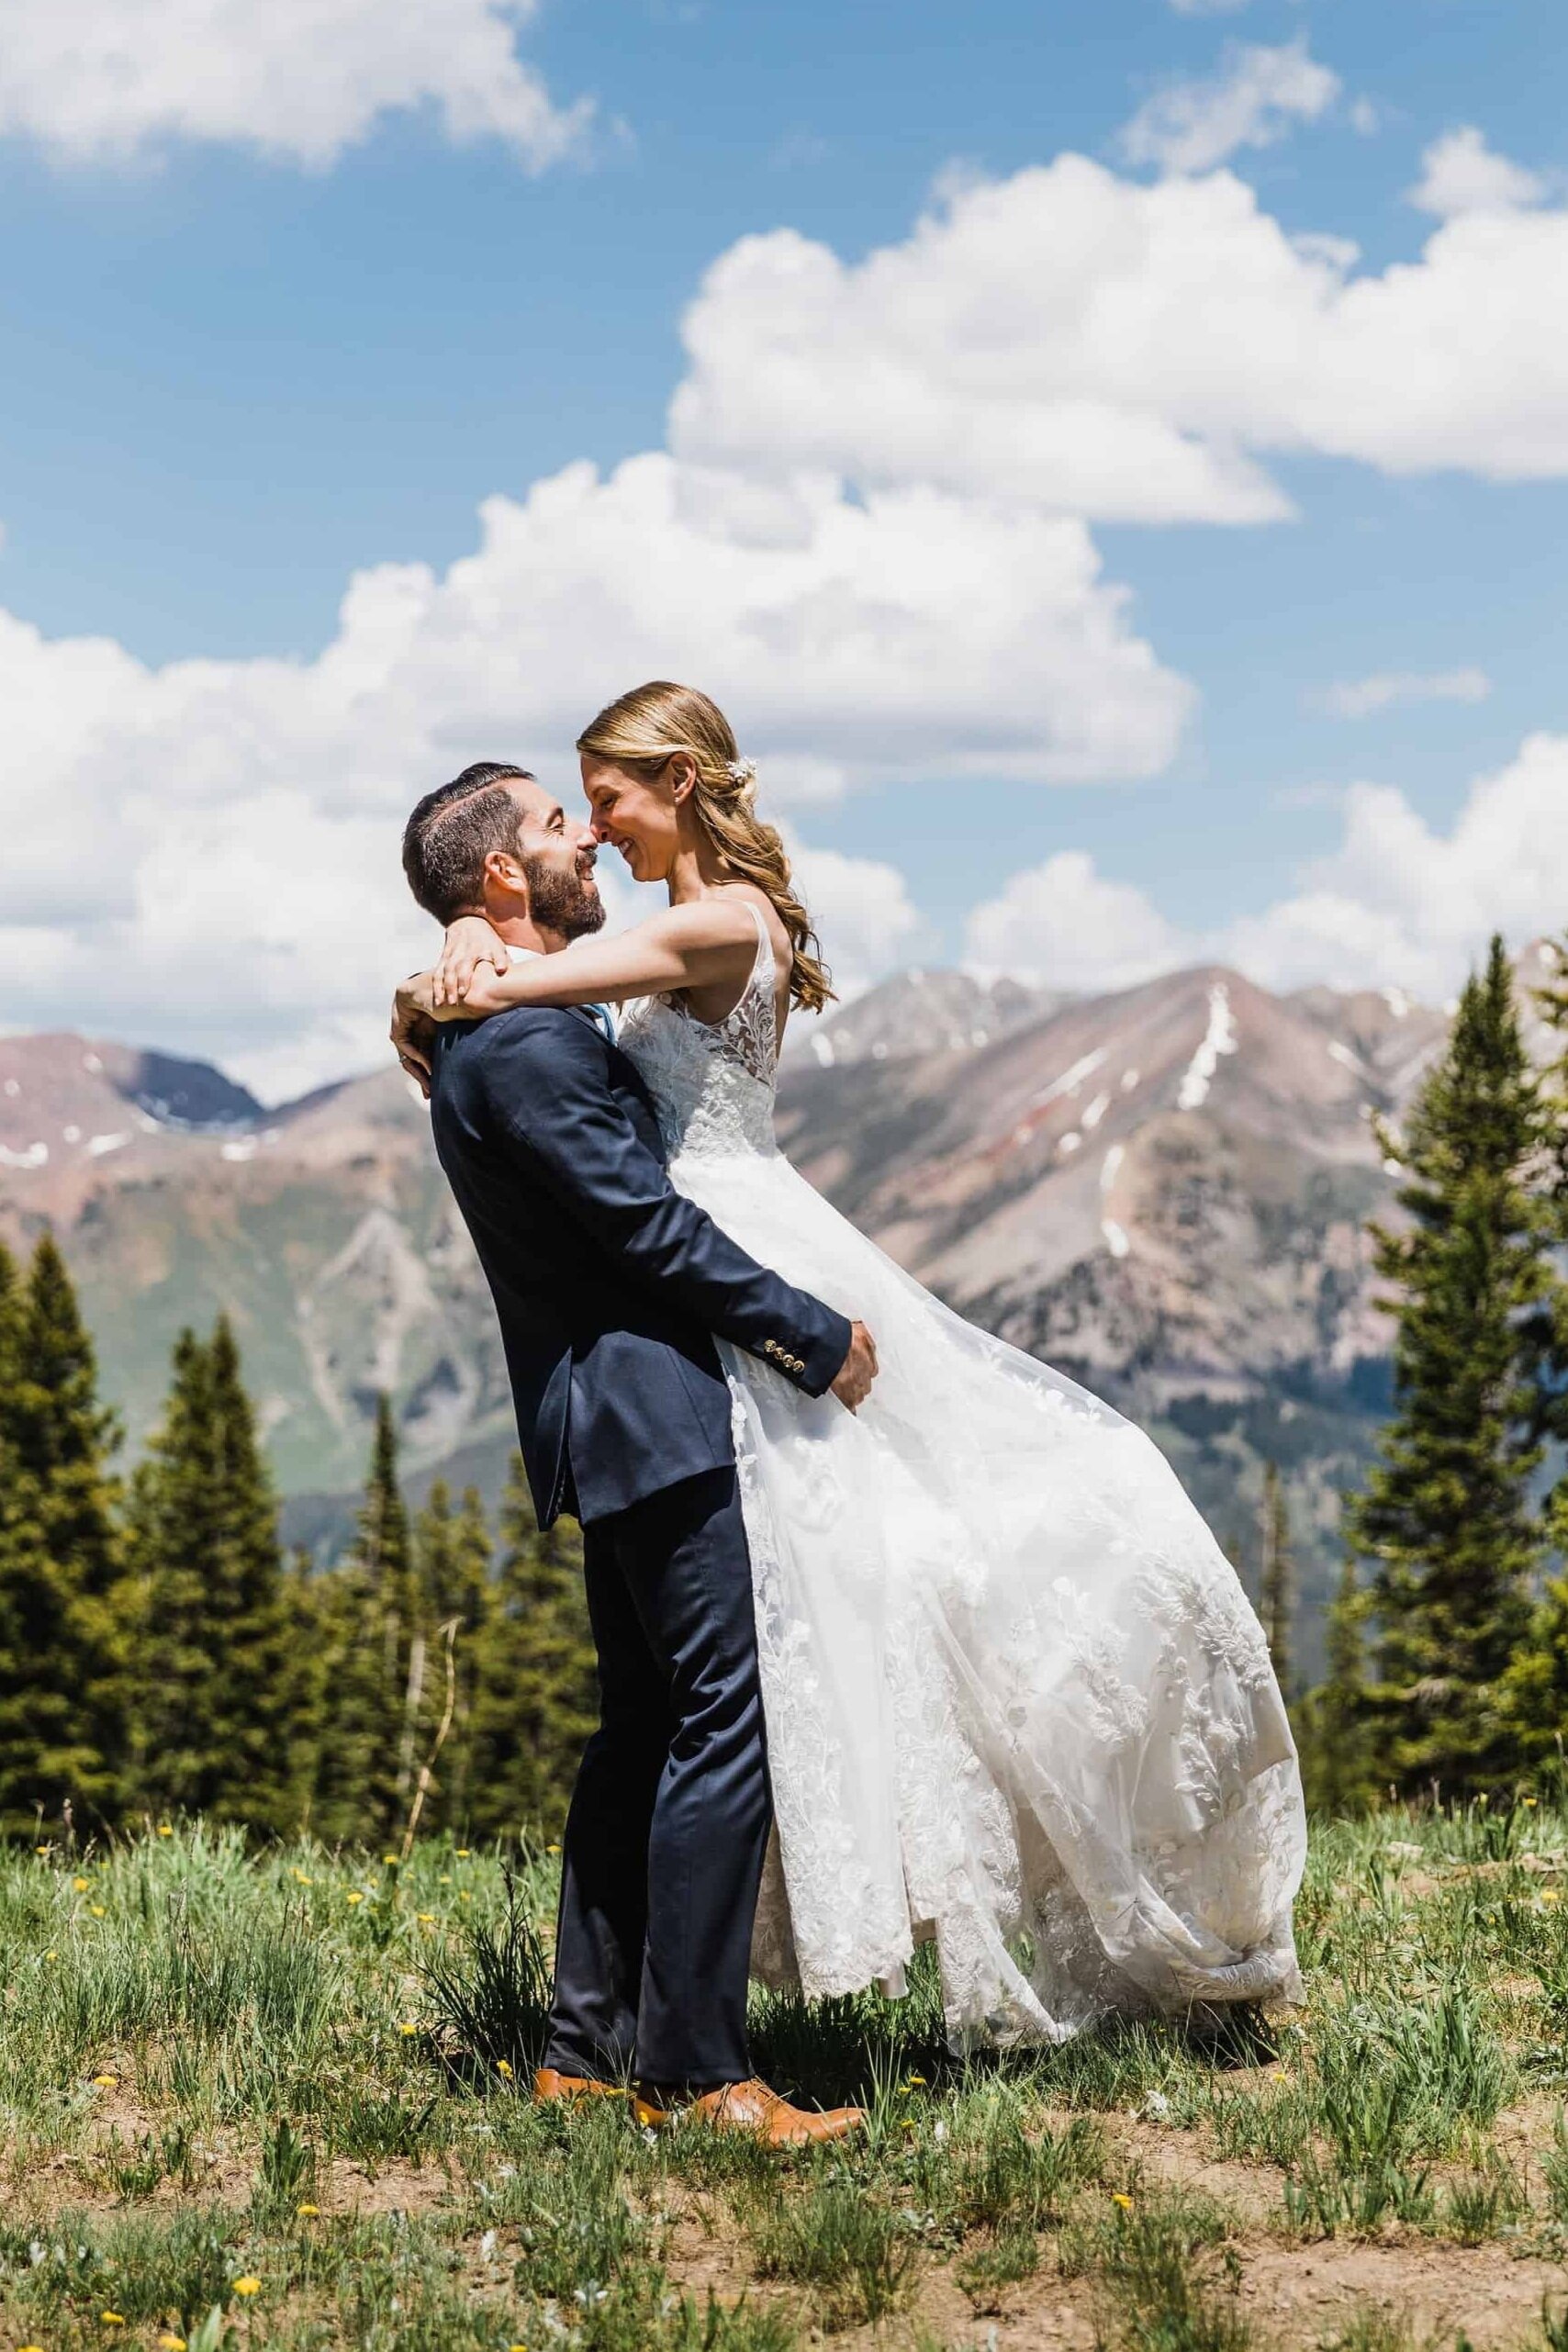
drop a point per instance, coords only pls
(608, 1286)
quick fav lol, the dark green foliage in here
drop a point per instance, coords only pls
(536, 1698)
(370, 1707)
(452, 1554)
(1276, 1585)
(1446, 1516)
(1534, 1689)
(62, 1647)
(1332, 1722)
(212, 1671)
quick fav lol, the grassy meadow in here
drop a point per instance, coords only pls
(281, 2100)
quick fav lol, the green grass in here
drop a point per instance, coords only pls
(310, 2070)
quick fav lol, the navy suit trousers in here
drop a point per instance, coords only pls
(664, 1846)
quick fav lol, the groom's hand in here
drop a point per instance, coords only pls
(858, 1369)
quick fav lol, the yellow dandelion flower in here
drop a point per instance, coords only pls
(916, 2082)
(426, 1919)
(81, 1884)
(502, 2068)
(39, 1849)
(29, 2347)
(300, 1880)
(171, 2343)
(51, 1955)
(408, 2027)
(1119, 2197)
(1549, 1895)
(551, 1848)
(308, 2212)
(105, 2082)
(463, 1852)
(463, 1895)
(354, 1896)
(445, 1878)
(112, 2319)
(247, 2286)
(164, 1830)
(96, 1910)
(390, 1860)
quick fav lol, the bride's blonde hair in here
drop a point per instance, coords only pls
(644, 729)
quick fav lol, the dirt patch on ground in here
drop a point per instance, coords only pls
(1169, 2158)
(1288, 2295)
(1300, 2293)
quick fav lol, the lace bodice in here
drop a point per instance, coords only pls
(712, 1081)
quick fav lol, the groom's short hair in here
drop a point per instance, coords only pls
(454, 830)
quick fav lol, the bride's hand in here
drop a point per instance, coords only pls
(413, 1029)
(469, 942)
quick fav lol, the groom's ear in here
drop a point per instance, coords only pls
(504, 873)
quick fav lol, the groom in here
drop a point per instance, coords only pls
(611, 1289)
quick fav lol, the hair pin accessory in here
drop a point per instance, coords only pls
(741, 771)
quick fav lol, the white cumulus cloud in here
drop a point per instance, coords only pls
(299, 78)
(1074, 339)
(1256, 96)
(1460, 173)
(1358, 698)
(1397, 904)
(1065, 925)
(241, 818)
(864, 915)
(1402, 904)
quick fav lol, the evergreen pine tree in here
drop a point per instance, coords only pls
(12, 1305)
(62, 1635)
(1545, 1328)
(1535, 1688)
(309, 1622)
(1332, 1721)
(453, 1556)
(1276, 1585)
(536, 1700)
(369, 1714)
(213, 1669)
(260, 1778)
(1446, 1515)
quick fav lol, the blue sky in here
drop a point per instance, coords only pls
(236, 375)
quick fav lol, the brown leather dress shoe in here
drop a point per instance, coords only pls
(753, 2108)
(550, 2084)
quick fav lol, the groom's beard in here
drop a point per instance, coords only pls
(561, 902)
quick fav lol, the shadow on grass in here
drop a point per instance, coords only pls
(491, 2003)
(849, 2049)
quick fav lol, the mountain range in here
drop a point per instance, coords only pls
(1164, 1191)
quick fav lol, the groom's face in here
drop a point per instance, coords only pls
(557, 856)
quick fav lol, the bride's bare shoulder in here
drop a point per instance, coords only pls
(783, 948)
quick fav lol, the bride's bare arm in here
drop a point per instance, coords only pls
(697, 945)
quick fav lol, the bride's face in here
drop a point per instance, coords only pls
(635, 815)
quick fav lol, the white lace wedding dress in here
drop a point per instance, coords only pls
(1016, 1699)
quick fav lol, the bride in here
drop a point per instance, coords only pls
(1016, 1700)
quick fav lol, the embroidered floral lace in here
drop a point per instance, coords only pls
(1016, 1700)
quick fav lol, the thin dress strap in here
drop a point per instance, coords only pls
(752, 1028)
